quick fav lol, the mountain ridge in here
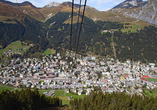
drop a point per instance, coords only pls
(18, 4)
(146, 12)
(55, 31)
(131, 4)
(129, 10)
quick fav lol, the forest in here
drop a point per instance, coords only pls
(114, 101)
(27, 100)
(138, 46)
(31, 100)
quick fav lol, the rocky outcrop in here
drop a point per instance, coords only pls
(146, 12)
(131, 4)
(53, 4)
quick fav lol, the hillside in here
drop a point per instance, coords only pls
(43, 14)
(15, 25)
(129, 39)
(9, 14)
(25, 8)
(142, 10)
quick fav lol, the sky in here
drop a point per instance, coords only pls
(101, 5)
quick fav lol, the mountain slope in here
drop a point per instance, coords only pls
(27, 30)
(90, 12)
(135, 46)
(51, 9)
(55, 32)
(17, 4)
(146, 11)
(131, 4)
(26, 8)
(15, 25)
(9, 13)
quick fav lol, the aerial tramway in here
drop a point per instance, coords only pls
(78, 29)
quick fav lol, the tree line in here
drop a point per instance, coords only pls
(26, 100)
(114, 101)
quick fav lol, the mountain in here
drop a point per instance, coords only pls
(90, 12)
(138, 46)
(52, 9)
(50, 27)
(43, 14)
(26, 8)
(16, 25)
(142, 10)
(10, 14)
(53, 4)
(131, 4)
(17, 4)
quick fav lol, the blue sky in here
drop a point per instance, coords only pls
(101, 5)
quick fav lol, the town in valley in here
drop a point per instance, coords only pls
(79, 75)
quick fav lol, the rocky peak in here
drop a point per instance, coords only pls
(146, 11)
(53, 4)
(131, 4)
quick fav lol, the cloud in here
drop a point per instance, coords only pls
(100, 2)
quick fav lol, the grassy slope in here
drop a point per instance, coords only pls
(150, 93)
(14, 46)
(59, 93)
(75, 18)
(65, 100)
(3, 87)
(2, 18)
(49, 51)
(74, 96)
(42, 91)
(132, 28)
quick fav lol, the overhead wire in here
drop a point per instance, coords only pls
(78, 22)
(77, 37)
(77, 30)
(81, 26)
(71, 23)
(71, 30)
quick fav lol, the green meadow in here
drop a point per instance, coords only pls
(150, 93)
(15, 47)
(3, 88)
(131, 28)
(49, 52)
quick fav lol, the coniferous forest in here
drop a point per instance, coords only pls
(26, 100)
(115, 101)
(31, 100)
(55, 33)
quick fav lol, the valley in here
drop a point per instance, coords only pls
(115, 65)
